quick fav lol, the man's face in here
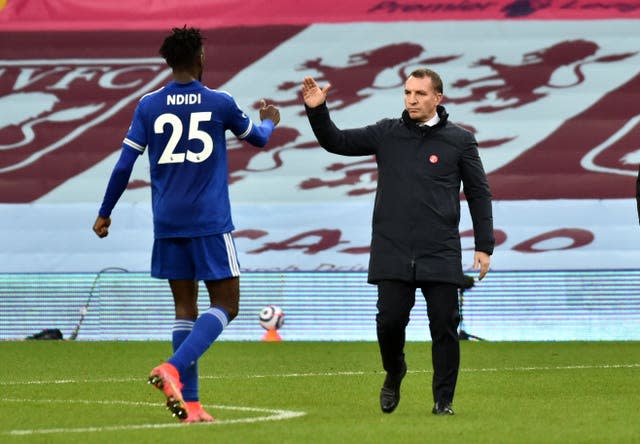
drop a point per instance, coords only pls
(420, 100)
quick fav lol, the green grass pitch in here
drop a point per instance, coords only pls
(321, 392)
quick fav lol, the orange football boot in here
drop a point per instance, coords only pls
(197, 413)
(165, 377)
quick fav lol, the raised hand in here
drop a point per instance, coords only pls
(312, 94)
(269, 112)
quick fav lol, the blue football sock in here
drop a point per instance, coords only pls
(189, 377)
(206, 330)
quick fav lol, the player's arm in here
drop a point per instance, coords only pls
(270, 117)
(244, 128)
(117, 184)
(259, 135)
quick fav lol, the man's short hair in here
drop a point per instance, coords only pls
(436, 81)
(182, 47)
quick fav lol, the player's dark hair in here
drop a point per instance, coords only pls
(436, 81)
(182, 47)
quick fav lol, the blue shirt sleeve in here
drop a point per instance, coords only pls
(119, 180)
(136, 137)
(244, 128)
(260, 134)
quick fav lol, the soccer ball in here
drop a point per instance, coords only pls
(271, 317)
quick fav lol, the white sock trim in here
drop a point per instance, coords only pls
(183, 325)
(214, 311)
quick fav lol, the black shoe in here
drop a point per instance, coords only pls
(390, 392)
(442, 409)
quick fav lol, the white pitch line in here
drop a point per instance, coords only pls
(331, 374)
(565, 367)
(273, 415)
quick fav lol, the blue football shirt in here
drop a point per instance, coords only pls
(182, 126)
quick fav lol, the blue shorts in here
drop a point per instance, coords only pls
(208, 258)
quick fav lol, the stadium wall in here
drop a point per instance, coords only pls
(325, 306)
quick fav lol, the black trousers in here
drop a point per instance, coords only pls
(395, 301)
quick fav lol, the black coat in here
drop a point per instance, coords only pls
(415, 226)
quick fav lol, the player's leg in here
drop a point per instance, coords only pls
(171, 260)
(186, 307)
(215, 262)
(206, 330)
(224, 295)
(444, 318)
(185, 297)
(395, 300)
(221, 275)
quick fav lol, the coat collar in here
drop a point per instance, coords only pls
(442, 113)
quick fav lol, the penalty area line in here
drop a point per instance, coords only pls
(271, 415)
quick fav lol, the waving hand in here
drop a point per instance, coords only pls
(313, 95)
